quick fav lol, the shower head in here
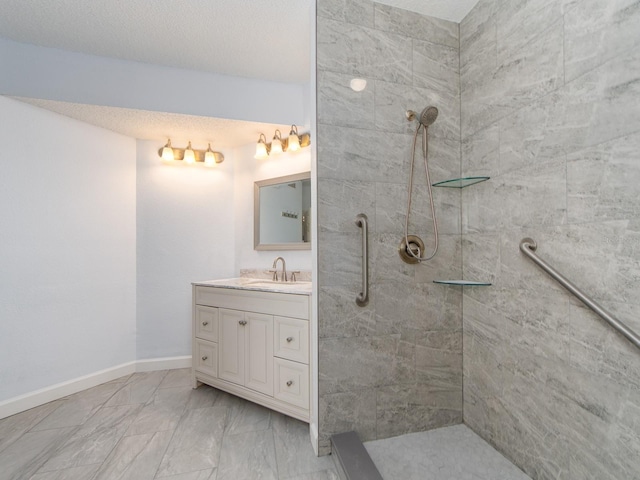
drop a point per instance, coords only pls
(428, 116)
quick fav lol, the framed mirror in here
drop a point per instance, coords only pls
(281, 213)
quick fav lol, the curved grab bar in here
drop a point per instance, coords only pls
(363, 297)
(528, 246)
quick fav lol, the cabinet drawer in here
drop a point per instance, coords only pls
(291, 381)
(207, 323)
(206, 358)
(291, 337)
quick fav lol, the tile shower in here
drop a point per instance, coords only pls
(543, 96)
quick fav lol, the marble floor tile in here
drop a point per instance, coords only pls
(177, 378)
(78, 408)
(13, 427)
(196, 442)
(180, 433)
(138, 389)
(323, 475)
(24, 457)
(294, 453)
(208, 474)
(76, 473)
(93, 442)
(135, 458)
(248, 455)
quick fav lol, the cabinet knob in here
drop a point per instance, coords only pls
(205, 323)
(289, 339)
(204, 359)
(289, 383)
(242, 322)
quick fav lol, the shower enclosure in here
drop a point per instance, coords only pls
(540, 96)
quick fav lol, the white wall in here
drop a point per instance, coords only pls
(247, 171)
(185, 221)
(54, 74)
(67, 249)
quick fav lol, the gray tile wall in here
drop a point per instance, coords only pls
(395, 366)
(550, 97)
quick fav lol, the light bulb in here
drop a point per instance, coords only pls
(261, 148)
(276, 143)
(209, 157)
(293, 143)
(167, 152)
(189, 155)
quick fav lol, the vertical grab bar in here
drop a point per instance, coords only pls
(363, 297)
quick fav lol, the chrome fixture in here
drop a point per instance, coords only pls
(411, 247)
(292, 143)
(190, 156)
(362, 298)
(283, 278)
(528, 246)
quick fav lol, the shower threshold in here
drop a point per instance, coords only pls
(444, 453)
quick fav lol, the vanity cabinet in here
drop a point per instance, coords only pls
(253, 344)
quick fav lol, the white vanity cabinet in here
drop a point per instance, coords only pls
(253, 344)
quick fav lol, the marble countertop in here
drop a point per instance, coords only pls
(259, 284)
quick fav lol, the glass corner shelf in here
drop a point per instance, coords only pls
(463, 283)
(460, 182)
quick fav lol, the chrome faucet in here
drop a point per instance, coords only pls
(284, 270)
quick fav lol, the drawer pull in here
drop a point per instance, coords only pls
(289, 339)
(242, 322)
(205, 323)
(204, 359)
(289, 383)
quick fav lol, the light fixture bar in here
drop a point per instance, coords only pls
(178, 154)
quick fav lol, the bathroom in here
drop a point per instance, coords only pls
(541, 96)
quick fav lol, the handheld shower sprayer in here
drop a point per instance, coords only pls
(426, 117)
(411, 248)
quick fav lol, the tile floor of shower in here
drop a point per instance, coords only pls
(154, 425)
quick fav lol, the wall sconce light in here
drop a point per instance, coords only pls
(262, 149)
(276, 143)
(191, 156)
(292, 143)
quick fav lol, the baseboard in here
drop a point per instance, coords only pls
(39, 397)
(167, 363)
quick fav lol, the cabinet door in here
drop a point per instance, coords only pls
(231, 346)
(259, 352)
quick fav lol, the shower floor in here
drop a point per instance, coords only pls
(443, 454)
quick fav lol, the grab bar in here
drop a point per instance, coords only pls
(528, 246)
(363, 297)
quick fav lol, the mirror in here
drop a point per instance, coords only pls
(282, 208)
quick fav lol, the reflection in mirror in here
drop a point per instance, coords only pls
(282, 209)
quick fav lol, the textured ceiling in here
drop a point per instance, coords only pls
(267, 39)
(222, 133)
(453, 10)
(264, 39)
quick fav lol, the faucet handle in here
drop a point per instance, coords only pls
(275, 275)
(293, 275)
